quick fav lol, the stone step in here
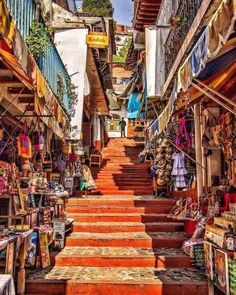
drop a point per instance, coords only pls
(116, 281)
(137, 177)
(136, 201)
(127, 239)
(118, 217)
(123, 183)
(124, 187)
(117, 192)
(124, 170)
(109, 227)
(125, 257)
(119, 209)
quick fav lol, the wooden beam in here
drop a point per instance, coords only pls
(5, 72)
(12, 84)
(29, 108)
(26, 99)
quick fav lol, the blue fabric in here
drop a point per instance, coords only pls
(134, 105)
(198, 57)
(218, 64)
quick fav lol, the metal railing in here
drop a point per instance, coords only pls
(186, 13)
(24, 12)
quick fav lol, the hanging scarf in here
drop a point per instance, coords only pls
(24, 146)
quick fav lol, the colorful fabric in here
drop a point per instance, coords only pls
(179, 170)
(221, 26)
(198, 58)
(7, 25)
(134, 105)
(183, 139)
(38, 142)
(24, 146)
(209, 44)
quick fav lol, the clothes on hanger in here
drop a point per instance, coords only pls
(179, 170)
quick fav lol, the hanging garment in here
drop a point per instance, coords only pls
(24, 146)
(183, 139)
(38, 141)
(88, 177)
(179, 170)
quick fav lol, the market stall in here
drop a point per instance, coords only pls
(38, 173)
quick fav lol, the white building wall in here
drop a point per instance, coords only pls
(71, 44)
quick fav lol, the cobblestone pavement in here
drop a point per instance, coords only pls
(116, 274)
(117, 251)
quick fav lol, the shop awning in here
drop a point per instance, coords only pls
(216, 75)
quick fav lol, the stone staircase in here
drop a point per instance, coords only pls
(121, 173)
(120, 245)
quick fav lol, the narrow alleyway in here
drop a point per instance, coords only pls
(122, 241)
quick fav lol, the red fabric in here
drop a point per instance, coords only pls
(226, 203)
(190, 226)
(233, 198)
(227, 200)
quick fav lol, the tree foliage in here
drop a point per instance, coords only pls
(98, 7)
(38, 41)
(121, 56)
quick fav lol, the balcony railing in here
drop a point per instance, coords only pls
(24, 12)
(186, 12)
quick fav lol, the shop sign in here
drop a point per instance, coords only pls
(97, 40)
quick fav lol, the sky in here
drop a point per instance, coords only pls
(123, 11)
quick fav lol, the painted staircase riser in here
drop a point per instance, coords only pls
(112, 288)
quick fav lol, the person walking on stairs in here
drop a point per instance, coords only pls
(122, 124)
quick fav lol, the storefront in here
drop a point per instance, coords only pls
(191, 146)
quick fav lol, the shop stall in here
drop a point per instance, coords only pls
(38, 173)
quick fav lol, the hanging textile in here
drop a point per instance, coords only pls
(134, 105)
(214, 37)
(198, 58)
(24, 146)
(179, 170)
(221, 26)
(7, 25)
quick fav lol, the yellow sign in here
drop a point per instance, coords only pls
(97, 40)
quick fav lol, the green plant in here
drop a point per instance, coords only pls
(60, 87)
(122, 55)
(73, 95)
(38, 41)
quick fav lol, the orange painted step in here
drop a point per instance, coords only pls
(119, 209)
(118, 217)
(122, 257)
(120, 201)
(134, 239)
(116, 281)
(124, 183)
(112, 227)
(123, 187)
(120, 177)
(126, 192)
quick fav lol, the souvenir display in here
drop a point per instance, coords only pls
(221, 276)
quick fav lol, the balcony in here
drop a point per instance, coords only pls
(24, 12)
(186, 13)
